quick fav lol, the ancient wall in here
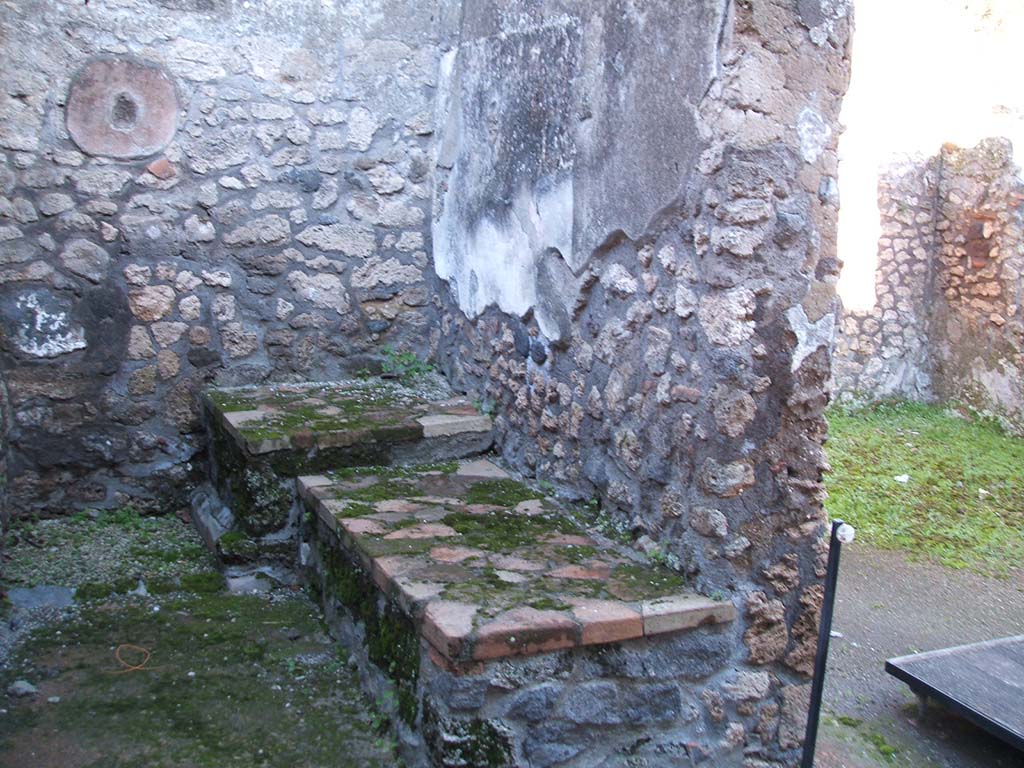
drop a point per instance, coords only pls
(947, 321)
(978, 325)
(662, 347)
(885, 350)
(278, 231)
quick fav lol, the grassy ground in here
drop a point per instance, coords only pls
(962, 502)
(192, 676)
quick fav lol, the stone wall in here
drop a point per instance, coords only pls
(947, 321)
(281, 234)
(670, 357)
(885, 350)
(978, 325)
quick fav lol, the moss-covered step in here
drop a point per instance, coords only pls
(262, 437)
(487, 567)
(352, 421)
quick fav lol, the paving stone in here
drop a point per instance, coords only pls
(441, 425)
(322, 416)
(481, 468)
(424, 531)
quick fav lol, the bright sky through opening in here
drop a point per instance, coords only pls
(925, 72)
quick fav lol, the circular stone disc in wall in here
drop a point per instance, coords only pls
(122, 108)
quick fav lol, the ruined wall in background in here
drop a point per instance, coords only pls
(978, 326)
(281, 234)
(947, 324)
(885, 350)
(673, 362)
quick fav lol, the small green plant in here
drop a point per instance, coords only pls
(404, 366)
(207, 583)
(379, 721)
(885, 749)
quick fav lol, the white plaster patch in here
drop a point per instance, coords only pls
(814, 133)
(49, 333)
(1002, 384)
(809, 336)
(496, 262)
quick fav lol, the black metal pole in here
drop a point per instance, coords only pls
(824, 635)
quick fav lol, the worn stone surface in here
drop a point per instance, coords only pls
(611, 225)
(514, 572)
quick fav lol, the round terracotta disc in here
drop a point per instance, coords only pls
(122, 108)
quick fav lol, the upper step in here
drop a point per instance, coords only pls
(373, 421)
(488, 567)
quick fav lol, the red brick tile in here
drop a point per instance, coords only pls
(162, 169)
(447, 625)
(396, 505)
(456, 668)
(524, 631)
(360, 526)
(671, 614)
(423, 531)
(455, 554)
(606, 621)
(597, 572)
(385, 569)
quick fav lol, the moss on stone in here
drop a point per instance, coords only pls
(648, 581)
(392, 640)
(385, 490)
(502, 493)
(503, 531)
(263, 504)
(236, 546)
(253, 699)
(384, 472)
(381, 547)
(207, 583)
(476, 742)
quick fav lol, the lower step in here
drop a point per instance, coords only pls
(502, 632)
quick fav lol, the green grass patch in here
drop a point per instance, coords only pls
(963, 504)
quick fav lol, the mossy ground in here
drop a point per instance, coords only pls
(232, 680)
(963, 502)
(105, 549)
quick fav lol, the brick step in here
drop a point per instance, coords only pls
(263, 437)
(441, 572)
(490, 567)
